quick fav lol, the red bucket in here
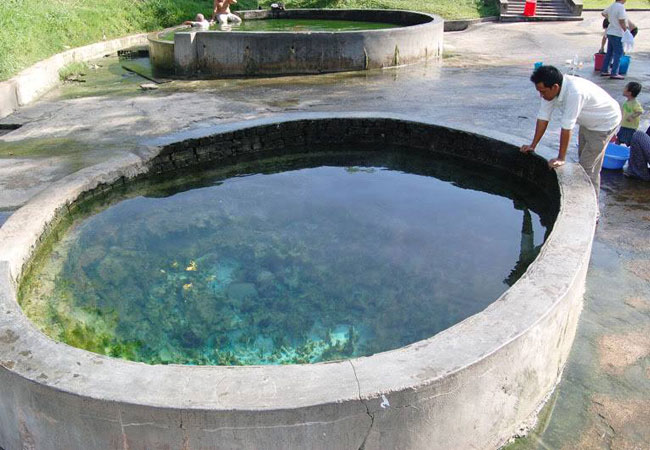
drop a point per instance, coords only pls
(529, 8)
(598, 61)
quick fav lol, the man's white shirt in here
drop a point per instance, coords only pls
(615, 12)
(583, 102)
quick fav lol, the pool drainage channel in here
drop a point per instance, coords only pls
(6, 128)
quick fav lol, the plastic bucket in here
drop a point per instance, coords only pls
(598, 61)
(615, 156)
(624, 64)
(529, 8)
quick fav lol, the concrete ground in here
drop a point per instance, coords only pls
(603, 400)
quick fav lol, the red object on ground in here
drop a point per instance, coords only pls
(598, 60)
(529, 7)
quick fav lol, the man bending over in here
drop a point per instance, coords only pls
(579, 101)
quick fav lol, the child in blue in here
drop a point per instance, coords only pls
(632, 111)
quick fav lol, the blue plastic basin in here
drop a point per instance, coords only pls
(624, 64)
(615, 156)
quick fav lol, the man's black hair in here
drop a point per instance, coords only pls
(634, 88)
(548, 75)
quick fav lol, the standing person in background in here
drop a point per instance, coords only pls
(603, 41)
(222, 12)
(617, 17)
(633, 29)
(579, 101)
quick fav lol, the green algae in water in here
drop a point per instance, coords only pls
(295, 25)
(299, 259)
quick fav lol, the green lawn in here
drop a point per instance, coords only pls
(449, 9)
(31, 30)
(629, 4)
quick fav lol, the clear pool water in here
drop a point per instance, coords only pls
(295, 259)
(295, 25)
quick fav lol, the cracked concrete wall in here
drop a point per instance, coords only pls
(471, 386)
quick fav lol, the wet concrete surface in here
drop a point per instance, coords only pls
(603, 399)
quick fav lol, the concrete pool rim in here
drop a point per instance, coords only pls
(370, 393)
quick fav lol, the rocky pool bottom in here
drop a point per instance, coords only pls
(293, 259)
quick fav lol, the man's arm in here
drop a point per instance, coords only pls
(623, 23)
(565, 137)
(540, 129)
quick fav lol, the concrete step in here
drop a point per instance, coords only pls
(541, 12)
(539, 7)
(522, 18)
(539, 4)
(557, 10)
(546, 10)
(547, 5)
(544, 7)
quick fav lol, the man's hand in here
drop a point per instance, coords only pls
(555, 162)
(527, 149)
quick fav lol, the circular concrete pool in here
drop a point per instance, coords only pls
(489, 373)
(383, 38)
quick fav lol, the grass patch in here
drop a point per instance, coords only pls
(449, 9)
(32, 30)
(602, 4)
(73, 70)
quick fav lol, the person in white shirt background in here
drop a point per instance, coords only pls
(199, 22)
(578, 101)
(617, 17)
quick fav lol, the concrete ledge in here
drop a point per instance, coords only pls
(8, 99)
(503, 7)
(470, 386)
(462, 25)
(575, 6)
(36, 80)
